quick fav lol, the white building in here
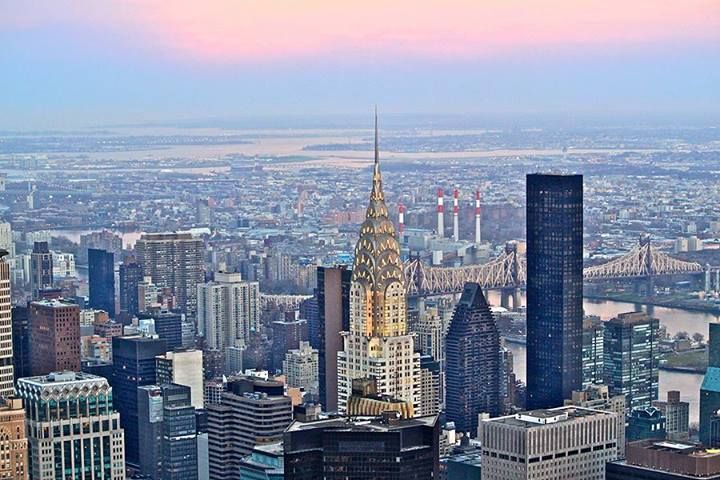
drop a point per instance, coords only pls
(565, 443)
(228, 310)
(6, 238)
(301, 368)
(63, 265)
(184, 367)
(73, 430)
(6, 344)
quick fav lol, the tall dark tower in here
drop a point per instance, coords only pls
(41, 269)
(131, 275)
(473, 361)
(554, 288)
(101, 264)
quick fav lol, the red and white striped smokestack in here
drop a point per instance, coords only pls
(440, 213)
(456, 211)
(477, 216)
(401, 220)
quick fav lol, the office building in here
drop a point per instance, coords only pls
(7, 375)
(54, 337)
(101, 279)
(558, 443)
(41, 269)
(21, 341)
(287, 335)
(150, 430)
(73, 430)
(265, 462)
(13, 442)
(592, 351)
(301, 369)
(166, 325)
(131, 275)
(183, 367)
(632, 358)
(664, 460)
(365, 401)
(133, 367)
(710, 389)
(430, 390)
(554, 288)
(174, 260)
(384, 449)
(179, 440)
(473, 362)
(597, 397)
(378, 341)
(677, 416)
(333, 317)
(251, 412)
(228, 311)
(645, 423)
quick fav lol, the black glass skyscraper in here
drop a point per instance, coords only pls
(101, 279)
(179, 439)
(133, 367)
(472, 361)
(554, 288)
(131, 274)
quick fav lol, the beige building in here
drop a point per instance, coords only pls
(6, 344)
(13, 444)
(565, 443)
(184, 367)
(301, 368)
(597, 397)
(378, 344)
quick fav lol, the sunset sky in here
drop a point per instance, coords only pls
(65, 64)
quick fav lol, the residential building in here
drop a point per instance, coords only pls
(183, 367)
(133, 367)
(388, 448)
(101, 279)
(73, 430)
(7, 375)
(554, 288)
(174, 260)
(333, 317)
(54, 336)
(251, 412)
(287, 335)
(473, 362)
(378, 344)
(632, 358)
(13, 442)
(559, 443)
(677, 416)
(41, 269)
(301, 369)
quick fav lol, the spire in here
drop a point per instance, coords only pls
(377, 192)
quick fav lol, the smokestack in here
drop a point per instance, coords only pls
(440, 214)
(401, 220)
(477, 216)
(456, 211)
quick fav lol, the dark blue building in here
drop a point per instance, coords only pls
(133, 367)
(472, 358)
(554, 288)
(131, 275)
(101, 280)
(710, 389)
(168, 326)
(179, 434)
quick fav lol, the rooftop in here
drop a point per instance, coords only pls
(539, 418)
(62, 378)
(363, 424)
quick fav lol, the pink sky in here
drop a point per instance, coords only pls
(235, 31)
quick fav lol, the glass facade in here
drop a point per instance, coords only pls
(554, 288)
(101, 279)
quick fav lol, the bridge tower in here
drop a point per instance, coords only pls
(512, 291)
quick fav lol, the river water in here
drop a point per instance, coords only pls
(674, 319)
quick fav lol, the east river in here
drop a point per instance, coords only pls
(675, 320)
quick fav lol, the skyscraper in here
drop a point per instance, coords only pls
(340, 449)
(183, 367)
(73, 430)
(710, 389)
(228, 311)
(179, 434)
(41, 269)
(54, 337)
(133, 367)
(473, 361)
(131, 275)
(21, 341)
(101, 280)
(632, 358)
(333, 317)
(6, 338)
(592, 351)
(168, 326)
(554, 288)
(378, 344)
(174, 260)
